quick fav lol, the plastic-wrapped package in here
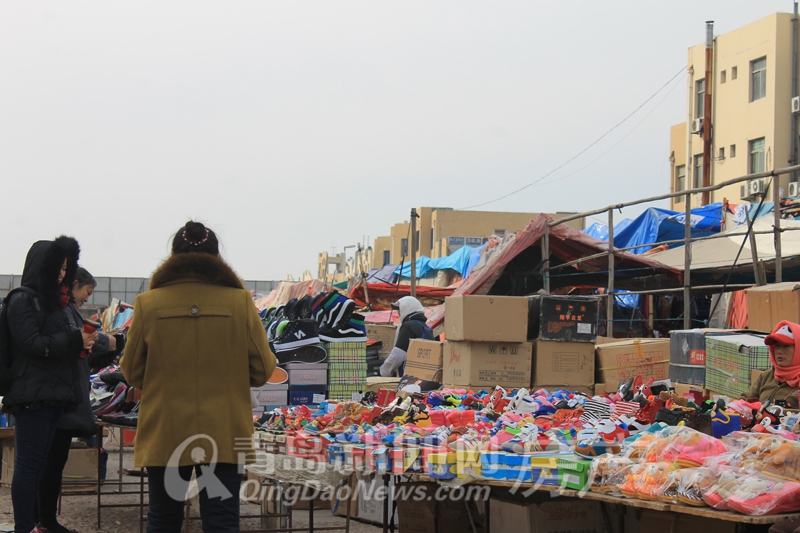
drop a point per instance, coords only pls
(772, 455)
(689, 448)
(668, 491)
(693, 483)
(652, 479)
(627, 480)
(603, 469)
(753, 494)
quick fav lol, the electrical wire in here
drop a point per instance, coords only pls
(573, 158)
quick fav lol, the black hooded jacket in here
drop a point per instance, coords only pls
(44, 348)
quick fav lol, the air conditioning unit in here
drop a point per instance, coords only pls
(792, 189)
(756, 187)
(744, 191)
(796, 104)
(697, 125)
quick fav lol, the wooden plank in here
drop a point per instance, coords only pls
(6, 433)
(608, 498)
(708, 512)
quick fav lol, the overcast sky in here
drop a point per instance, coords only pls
(295, 127)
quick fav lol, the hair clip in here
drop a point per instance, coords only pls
(195, 242)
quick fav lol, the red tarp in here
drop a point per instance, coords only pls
(382, 295)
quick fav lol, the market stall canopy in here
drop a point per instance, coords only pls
(457, 261)
(383, 295)
(713, 258)
(513, 266)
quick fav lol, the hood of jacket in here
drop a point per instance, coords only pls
(417, 315)
(409, 305)
(195, 266)
(43, 265)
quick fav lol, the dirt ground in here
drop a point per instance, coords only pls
(79, 512)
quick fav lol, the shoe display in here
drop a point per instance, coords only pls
(297, 333)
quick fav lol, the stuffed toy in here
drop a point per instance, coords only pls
(627, 480)
(653, 480)
(603, 469)
(783, 461)
(693, 483)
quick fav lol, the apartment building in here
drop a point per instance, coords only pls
(752, 111)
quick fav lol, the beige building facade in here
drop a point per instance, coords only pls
(443, 230)
(751, 112)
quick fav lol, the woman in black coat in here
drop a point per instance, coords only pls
(45, 352)
(80, 422)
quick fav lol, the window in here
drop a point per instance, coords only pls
(734, 73)
(431, 238)
(699, 98)
(758, 79)
(733, 150)
(722, 76)
(722, 153)
(404, 247)
(757, 156)
(680, 178)
(698, 172)
(417, 250)
(386, 257)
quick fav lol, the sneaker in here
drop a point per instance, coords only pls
(351, 330)
(469, 441)
(297, 333)
(290, 311)
(303, 307)
(335, 308)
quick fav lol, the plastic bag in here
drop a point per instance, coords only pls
(693, 484)
(627, 480)
(603, 469)
(652, 479)
(752, 494)
(689, 448)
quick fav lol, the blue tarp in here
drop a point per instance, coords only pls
(655, 225)
(474, 257)
(457, 261)
(385, 274)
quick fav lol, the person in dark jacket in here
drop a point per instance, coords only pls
(80, 422)
(412, 326)
(44, 352)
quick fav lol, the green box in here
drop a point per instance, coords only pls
(573, 479)
(730, 359)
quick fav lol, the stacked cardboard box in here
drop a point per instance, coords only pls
(626, 359)
(769, 304)
(486, 342)
(347, 369)
(424, 360)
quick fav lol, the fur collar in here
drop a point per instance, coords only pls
(205, 268)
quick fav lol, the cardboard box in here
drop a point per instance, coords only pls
(374, 384)
(486, 364)
(486, 318)
(618, 361)
(730, 360)
(768, 305)
(304, 374)
(547, 517)
(687, 354)
(370, 500)
(339, 500)
(425, 352)
(563, 318)
(424, 372)
(563, 364)
(7, 470)
(270, 395)
(418, 516)
(601, 387)
(384, 333)
(669, 522)
(81, 465)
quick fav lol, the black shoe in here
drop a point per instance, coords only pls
(297, 333)
(350, 330)
(291, 309)
(303, 308)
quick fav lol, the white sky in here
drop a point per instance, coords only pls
(292, 127)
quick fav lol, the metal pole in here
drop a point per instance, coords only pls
(687, 264)
(776, 211)
(793, 158)
(413, 252)
(546, 260)
(610, 295)
(758, 273)
(707, 111)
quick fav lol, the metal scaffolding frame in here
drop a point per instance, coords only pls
(687, 241)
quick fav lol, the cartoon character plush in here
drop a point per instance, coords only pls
(605, 468)
(669, 491)
(693, 484)
(628, 479)
(783, 461)
(653, 480)
(642, 388)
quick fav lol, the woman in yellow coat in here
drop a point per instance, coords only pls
(195, 347)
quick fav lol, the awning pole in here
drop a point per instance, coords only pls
(776, 210)
(610, 294)
(546, 260)
(687, 263)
